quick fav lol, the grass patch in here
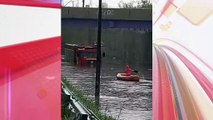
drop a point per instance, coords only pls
(88, 103)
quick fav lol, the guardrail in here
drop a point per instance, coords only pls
(81, 112)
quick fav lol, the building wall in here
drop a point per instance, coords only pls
(128, 45)
(107, 13)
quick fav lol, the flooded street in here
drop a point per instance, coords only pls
(121, 99)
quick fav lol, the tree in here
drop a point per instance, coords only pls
(144, 4)
(122, 4)
(135, 4)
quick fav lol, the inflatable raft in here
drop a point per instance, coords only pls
(122, 76)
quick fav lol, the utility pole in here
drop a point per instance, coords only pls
(83, 1)
(98, 62)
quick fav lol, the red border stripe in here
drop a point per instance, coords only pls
(167, 110)
(30, 3)
(21, 56)
(156, 89)
(206, 85)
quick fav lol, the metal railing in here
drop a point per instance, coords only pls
(80, 112)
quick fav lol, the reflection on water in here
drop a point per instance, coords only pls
(120, 99)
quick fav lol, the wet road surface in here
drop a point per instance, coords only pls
(120, 99)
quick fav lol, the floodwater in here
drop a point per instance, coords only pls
(120, 99)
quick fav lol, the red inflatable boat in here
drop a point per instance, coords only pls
(122, 76)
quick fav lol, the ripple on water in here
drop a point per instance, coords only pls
(120, 99)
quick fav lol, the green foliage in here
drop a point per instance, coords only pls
(135, 4)
(88, 103)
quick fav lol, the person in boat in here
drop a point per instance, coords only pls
(128, 70)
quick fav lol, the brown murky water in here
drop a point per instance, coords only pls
(120, 99)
